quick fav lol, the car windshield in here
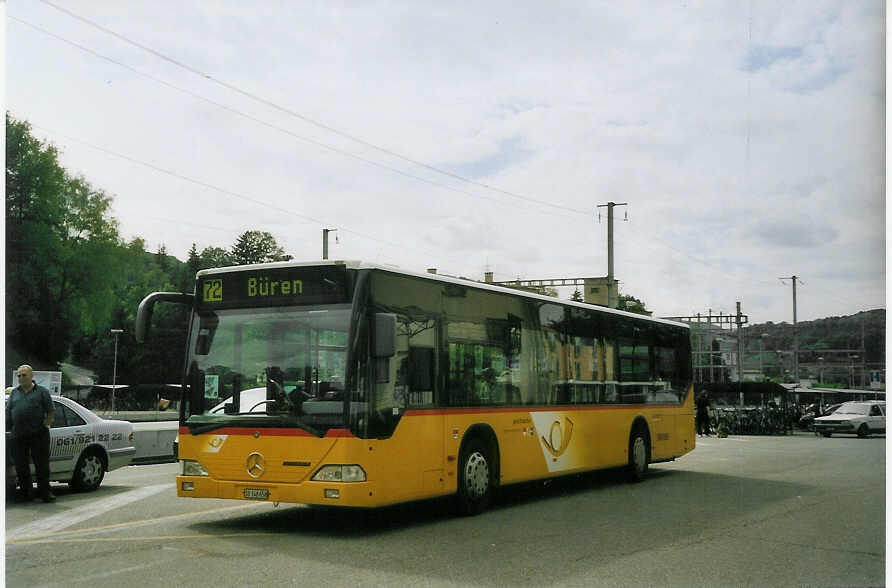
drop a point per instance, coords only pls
(853, 408)
(287, 363)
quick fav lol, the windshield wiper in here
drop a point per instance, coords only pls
(198, 428)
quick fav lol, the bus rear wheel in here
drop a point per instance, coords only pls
(638, 455)
(474, 478)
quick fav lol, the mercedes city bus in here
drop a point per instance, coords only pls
(353, 384)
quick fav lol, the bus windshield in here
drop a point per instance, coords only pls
(286, 364)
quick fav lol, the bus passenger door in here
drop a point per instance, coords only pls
(430, 436)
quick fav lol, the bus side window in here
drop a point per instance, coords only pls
(421, 375)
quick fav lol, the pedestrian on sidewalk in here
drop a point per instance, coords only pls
(29, 411)
(703, 413)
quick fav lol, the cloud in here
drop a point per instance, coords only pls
(507, 154)
(762, 56)
(747, 138)
(794, 233)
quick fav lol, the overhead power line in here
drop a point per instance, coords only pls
(290, 133)
(231, 87)
(263, 122)
(232, 193)
(302, 117)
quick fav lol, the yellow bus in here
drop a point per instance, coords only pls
(353, 384)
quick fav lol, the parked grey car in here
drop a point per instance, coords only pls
(83, 446)
(854, 418)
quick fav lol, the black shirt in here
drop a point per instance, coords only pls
(26, 412)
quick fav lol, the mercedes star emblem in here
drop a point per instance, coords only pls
(255, 465)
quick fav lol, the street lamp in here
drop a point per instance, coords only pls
(852, 359)
(821, 359)
(115, 332)
(325, 233)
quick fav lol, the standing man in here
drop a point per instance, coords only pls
(30, 412)
(703, 414)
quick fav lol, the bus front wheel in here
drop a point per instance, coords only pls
(475, 477)
(638, 455)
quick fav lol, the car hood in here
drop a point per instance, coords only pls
(840, 417)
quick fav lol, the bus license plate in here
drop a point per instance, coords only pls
(257, 493)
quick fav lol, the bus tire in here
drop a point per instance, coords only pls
(639, 455)
(475, 477)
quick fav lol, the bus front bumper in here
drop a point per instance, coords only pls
(348, 494)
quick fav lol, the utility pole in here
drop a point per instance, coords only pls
(115, 332)
(741, 347)
(863, 352)
(611, 292)
(325, 233)
(795, 332)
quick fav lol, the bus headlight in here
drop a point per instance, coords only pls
(340, 473)
(193, 468)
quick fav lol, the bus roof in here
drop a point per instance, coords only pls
(358, 265)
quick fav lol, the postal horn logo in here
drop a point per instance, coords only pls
(558, 438)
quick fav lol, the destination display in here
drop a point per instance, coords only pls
(274, 287)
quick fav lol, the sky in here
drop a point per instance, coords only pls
(746, 138)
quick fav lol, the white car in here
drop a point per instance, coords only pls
(83, 446)
(855, 418)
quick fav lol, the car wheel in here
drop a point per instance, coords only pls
(863, 430)
(474, 478)
(89, 471)
(638, 456)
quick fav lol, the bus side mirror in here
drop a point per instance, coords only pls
(385, 334)
(144, 312)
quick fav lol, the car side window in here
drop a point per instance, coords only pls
(59, 418)
(65, 417)
(72, 418)
(875, 411)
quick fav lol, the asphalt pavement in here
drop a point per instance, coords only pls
(797, 510)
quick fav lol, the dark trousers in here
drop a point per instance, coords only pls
(702, 423)
(35, 446)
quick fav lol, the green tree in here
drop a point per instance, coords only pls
(577, 296)
(257, 247)
(630, 304)
(71, 278)
(214, 257)
(163, 257)
(159, 360)
(60, 242)
(193, 262)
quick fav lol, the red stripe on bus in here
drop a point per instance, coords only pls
(553, 408)
(339, 433)
(271, 432)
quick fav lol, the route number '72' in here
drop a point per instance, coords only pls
(213, 291)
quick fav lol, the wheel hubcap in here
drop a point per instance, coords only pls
(92, 469)
(476, 475)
